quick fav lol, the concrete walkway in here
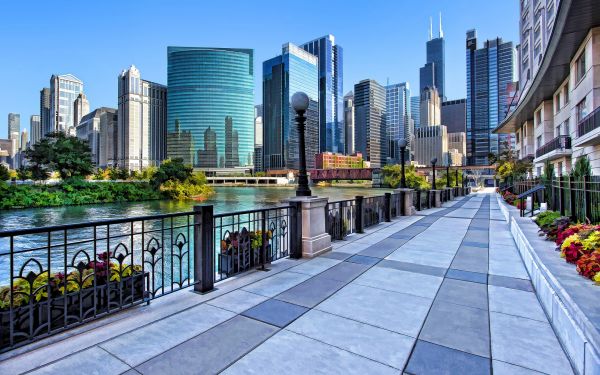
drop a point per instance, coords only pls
(444, 292)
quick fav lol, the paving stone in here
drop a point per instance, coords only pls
(395, 280)
(402, 235)
(471, 260)
(398, 312)
(275, 312)
(423, 256)
(311, 292)
(374, 343)
(146, 342)
(412, 267)
(510, 282)
(503, 368)
(237, 301)
(516, 302)
(428, 358)
(345, 271)
(273, 285)
(362, 259)
(309, 357)
(483, 245)
(339, 255)
(474, 277)
(464, 293)
(93, 358)
(212, 351)
(458, 327)
(527, 343)
(477, 236)
(315, 266)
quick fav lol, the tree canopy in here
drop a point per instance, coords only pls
(69, 156)
(508, 164)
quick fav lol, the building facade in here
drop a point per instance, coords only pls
(45, 111)
(431, 142)
(258, 138)
(207, 89)
(370, 122)
(81, 107)
(99, 129)
(35, 129)
(330, 160)
(294, 70)
(415, 110)
(457, 144)
(432, 74)
(14, 127)
(331, 91)
(64, 90)
(490, 70)
(398, 120)
(454, 115)
(349, 121)
(430, 107)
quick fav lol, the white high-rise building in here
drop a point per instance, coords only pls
(430, 107)
(431, 142)
(35, 129)
(64, 90)
(398, 119)
(99, 129)
(141, 121)
(81, 107)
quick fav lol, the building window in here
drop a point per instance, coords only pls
(566, 95)
(581, 110)
(538, 118)
(557, 131)
(580, 67)
(538, 141)
(566, 127)
(557, 102)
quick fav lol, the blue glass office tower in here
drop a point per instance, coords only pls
(433, 72)
(331, 93)
(369, 122)
(489, 71)
(210, 101)
(398, 119)
(294, 70)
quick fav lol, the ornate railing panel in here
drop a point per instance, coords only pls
(340, 218)
(373, 210)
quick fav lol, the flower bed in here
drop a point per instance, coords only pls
(43, 303)
(240, 250)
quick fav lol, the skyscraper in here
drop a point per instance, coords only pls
(64, 89)
(35, 129)
(99, 129)
(430, 107)
(331, 91)
(398, 119)
(294, 70)
(431, 142)
(489, 71)
(415, 110)
(141, 121)
(349, 121)
(45, 111)
(206, 85)
(433, 72)
(454, 114)
(14, 128)
(258, 138)
(370, 126)
(81, 107)
(207, 158)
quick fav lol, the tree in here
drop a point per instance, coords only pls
(392, 175)
(172, 170)
(4, 174)
(508, 164)
(23, 173)
(70, 156)
(582, 168)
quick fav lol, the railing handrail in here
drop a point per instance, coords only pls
(581, 124)
(559, 142)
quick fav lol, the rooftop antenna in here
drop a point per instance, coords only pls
(441, 32)
(430, 29)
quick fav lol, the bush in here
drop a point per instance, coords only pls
(4, 173)
(546, 218)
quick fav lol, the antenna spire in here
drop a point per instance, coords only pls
(441, 32)
(430, 29)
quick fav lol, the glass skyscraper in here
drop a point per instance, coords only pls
(331, 93)
(294, 70)
(210, 102)
(398, 118)
(369, 122)
(489, 71)
(64, 90)
(433, 72)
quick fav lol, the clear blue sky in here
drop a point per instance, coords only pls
(95, 40)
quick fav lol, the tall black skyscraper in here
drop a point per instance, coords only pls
(207, 158)
(432, 73)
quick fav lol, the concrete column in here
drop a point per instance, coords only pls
(437, 198)
(315, 239)
(409, 209)
(450, 193)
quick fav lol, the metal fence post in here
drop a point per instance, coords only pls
(387, 207)
(262, 256)
(561, 195)
(402, 203)
(573, 197)
(418, 194)
(359, 213)
(204, 249)
(587, 188)
(296, 230)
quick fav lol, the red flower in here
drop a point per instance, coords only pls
(589, 265)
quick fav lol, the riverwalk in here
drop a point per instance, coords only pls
(441, 292)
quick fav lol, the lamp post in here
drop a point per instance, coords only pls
(448, 171)
(433, 161)
(402, 143)
(456, 182)
(300, 103)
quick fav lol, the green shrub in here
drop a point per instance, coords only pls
(546, 218)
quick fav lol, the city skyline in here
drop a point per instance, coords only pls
(362, 59)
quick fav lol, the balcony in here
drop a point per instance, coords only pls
(556, 148)
(588, 130)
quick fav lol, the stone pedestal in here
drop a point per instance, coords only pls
(437, 198)
(409, 209)
(315, 239)
(450, 193)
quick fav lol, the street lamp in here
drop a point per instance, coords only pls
(300, 103)
(456, 182)
(433, 161)
(402, 144)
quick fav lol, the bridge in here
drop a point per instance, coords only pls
(372, 174)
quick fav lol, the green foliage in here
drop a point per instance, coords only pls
(260, 174)
(117, 173)
(65, 154)
(546, 218)
(508, 165)
(392, 175)
(172, 170)
(4, 174)
(23, 174)
(582, 168)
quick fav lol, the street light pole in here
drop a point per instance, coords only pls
(402, 143)
(456, 182)
(300, 104)
(433, 161)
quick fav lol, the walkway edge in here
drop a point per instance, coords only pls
(578, 335)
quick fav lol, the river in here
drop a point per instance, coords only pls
(225, 199)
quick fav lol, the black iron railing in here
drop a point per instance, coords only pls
(562, 142)
(589, 123)
(341, 218)
(373, 210)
